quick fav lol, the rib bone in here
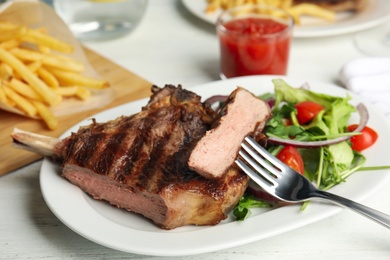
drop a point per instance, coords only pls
(44, 145)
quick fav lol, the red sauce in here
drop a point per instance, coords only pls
(254, 46)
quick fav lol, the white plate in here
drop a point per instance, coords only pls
(377, 12)
(125, 231)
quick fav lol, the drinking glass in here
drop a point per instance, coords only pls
(100, 19)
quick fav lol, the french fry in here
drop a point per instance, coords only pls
(26, 55)
(211, 8)
(20, 101)
(10, 44)
(13, 33)
(39, 86)
(71, 78)
(24, 89)
(312, 10)
(36, 73)
(66, 91)
(64, 64)
(296, 17)
(6, 72)
(286, 4)
(48, 60)
(5, 26)
(43, 39)
(296, 11)
(44, 49)
(34, 66)
(83, 93)
(48, 77)
(3, 98)
(47, 116)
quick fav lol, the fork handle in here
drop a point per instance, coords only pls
(370, 213)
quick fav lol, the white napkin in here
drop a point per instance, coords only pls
(369, 78)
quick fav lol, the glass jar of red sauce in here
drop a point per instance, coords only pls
(254, 40)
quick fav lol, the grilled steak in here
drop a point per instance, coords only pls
(243, 114)
(139, 162)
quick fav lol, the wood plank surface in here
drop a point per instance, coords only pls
(127, 86)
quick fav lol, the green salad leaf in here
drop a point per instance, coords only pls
(326, 166)
(242, 210)
(331, 161)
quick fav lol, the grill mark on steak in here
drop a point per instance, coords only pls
(145, 169)
(108, 154)
(139, 152)
(149, 180)
(108, 147)
(102, 156)
(81, 148)
(113, 151)
(126, 164)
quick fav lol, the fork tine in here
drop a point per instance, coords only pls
(258, 169)
(254, 175)
(264, 153)
(260, 160)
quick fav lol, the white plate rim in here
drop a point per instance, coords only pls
(77, 211)
(376, 13)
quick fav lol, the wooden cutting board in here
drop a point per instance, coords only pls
(127, 86)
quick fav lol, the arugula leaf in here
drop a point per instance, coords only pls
(242, 210)
(276, 125)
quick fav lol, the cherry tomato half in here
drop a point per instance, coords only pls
(290, 156)
(307, 110)
(287, 121)
(364, 140)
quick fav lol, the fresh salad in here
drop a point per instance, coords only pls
(310, 132)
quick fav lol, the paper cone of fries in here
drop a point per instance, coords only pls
(43, 70)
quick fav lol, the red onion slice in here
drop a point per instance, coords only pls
(217, 98)
(362, 110)
(256, 191)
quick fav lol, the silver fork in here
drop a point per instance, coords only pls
(284, 183)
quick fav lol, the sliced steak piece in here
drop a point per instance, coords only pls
(139, 162)
(242, 114)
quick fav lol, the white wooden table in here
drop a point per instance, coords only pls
(173, 46)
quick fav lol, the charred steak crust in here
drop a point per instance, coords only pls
(139, 162)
